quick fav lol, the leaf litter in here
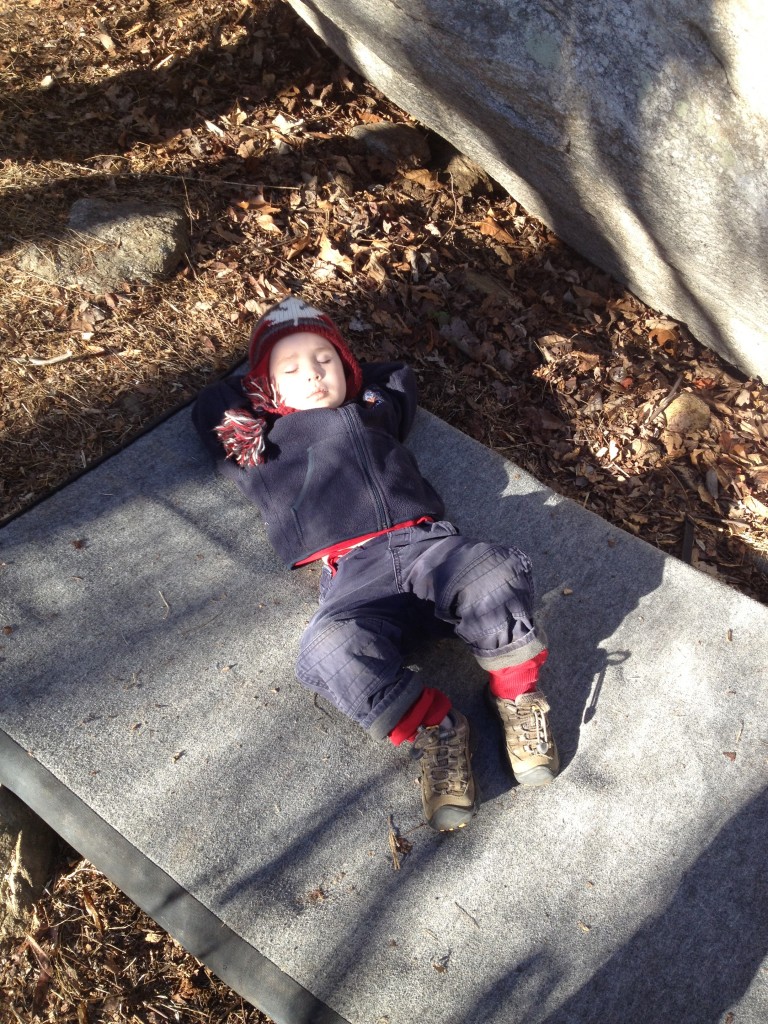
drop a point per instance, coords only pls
(241, 116)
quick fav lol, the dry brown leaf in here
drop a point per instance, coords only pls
(427, 179)
(755, 506)
(266, 222)
(588, 297)
(493, 230)
(375, 270)
(297, 245)
(214, 128)
(92, 911)
(549, 422)
(329, 254)
(663, 336)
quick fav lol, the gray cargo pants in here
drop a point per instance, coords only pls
(390, 589)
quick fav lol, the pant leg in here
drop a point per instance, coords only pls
(352, 650)
(484, 590)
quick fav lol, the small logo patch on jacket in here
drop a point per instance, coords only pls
(371, 397)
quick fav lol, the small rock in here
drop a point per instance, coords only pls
(686, 414)
(108, 243)
(399, 144)
(466, 175)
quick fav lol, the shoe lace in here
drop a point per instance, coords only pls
(443, 758)
(530, 725)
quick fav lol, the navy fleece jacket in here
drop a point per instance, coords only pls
(330, 475)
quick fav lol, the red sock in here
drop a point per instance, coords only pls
(430, 708)
(508, 683)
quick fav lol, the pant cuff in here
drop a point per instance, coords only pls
(515, 654)
(385, 722)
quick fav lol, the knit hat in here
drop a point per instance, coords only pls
(242, 435)
(294, 316)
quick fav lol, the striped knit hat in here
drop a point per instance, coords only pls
(242, 434)
(293, 316)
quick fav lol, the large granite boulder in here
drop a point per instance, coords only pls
(638, 132)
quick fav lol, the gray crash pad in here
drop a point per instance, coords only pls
(148, 711)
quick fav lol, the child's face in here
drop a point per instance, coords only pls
(307, 372)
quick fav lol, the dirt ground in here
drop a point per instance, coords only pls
(235, 113)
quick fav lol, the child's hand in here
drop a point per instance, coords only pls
(242, 437)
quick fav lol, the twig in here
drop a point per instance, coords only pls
(317, 706)
(393, 849)
(194, 629)
(68, 355)
(466, 913)
(452, 225)
(167, 606)
(665, 401)
(31, 361)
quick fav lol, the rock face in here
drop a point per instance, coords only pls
(638, 132)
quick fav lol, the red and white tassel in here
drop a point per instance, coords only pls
(242, 437)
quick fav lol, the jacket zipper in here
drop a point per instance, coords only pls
(362, 457)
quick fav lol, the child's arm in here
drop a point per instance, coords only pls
(398, 382)
(219, 405)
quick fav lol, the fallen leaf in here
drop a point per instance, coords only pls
(329, 254)
(297, 245)
(588, 298)
(214, 128)
(266, 222)
(423, 177)
(730, 754)
(93, 912)
(549, 422)
(664, 337)
(755, 506)
(493, 230)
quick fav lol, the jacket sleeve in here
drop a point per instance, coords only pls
(208, 412)
(398, 381)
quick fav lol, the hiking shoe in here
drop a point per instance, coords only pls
(448, 791)
(531, 747)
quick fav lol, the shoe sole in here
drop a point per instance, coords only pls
(450, 819)
(539, 776)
